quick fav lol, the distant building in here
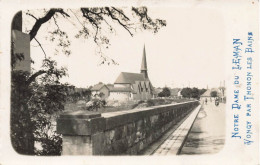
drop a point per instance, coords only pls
(100, 89)
(133, 86)
(176, 92)
(179, 94)
(207, 93)
(157, 91)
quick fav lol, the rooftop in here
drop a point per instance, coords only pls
(97, 87)
(129, 78)
(120, 89)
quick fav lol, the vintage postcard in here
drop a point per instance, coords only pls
(129, 82)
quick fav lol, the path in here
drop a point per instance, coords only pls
(207, 135)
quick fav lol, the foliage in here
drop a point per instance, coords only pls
(186, 92)
(192, 92)
(51, 145)
(150, 103)
(195, 93)
(214, 94)
(157, 101)
(45, 105)
(95, 23)
(35, 103)
(21, 126)
(95, 104)
(165, 92)
(15, 57)
(101, 94)
(140, 101)
(79, 94)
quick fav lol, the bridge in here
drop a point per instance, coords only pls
(160, 130)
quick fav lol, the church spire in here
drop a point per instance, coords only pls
(144, 64)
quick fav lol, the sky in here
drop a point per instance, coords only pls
(189, 51)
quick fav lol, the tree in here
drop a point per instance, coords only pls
(186, 92)
(195, 93)
(165, 92)
(101, 95)
(214, 94)
(34, 105)
(192, 92)
(86, 93)
(95, 23)
(37, 97)
(201, 91)
(79, 94)
(96, 104)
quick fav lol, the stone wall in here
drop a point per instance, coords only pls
(118, 133)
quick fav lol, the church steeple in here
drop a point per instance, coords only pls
(144, 65)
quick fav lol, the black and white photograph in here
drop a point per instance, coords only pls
(135, 80)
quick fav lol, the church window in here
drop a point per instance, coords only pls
(139, 88)
(146, 87)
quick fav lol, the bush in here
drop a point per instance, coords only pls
(165, 92)
(150, 103)
(140, 102)
(95, 104)
(214, 94)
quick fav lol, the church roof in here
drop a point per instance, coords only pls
(129, 78)
(120, 89)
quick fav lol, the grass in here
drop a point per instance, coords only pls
(75, 107)
(139, 104)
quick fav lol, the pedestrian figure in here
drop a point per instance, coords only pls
(206, 101)
(217, 102)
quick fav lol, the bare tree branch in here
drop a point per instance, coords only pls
(94, 13)
(55, 21)
(32, 16)
(114, 18)
(77, 18)
(121, 13)
(92, 21)
(33, 77)
(44, 19)
(40, 46)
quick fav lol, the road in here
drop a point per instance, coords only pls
(207, 135)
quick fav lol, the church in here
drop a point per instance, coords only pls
(132, 86)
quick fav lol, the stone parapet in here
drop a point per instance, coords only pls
(118, 133)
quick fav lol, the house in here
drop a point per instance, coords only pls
(133, 86)
(176, 93)
(179, 95)
(207, 94)
(101, 90)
